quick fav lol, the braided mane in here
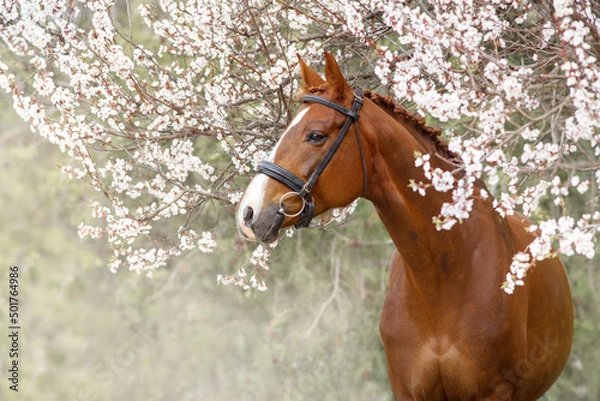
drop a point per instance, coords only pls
(387, 104)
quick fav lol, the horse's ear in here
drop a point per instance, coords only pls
(334, 76)
(310, 77)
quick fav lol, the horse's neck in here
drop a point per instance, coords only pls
(406, 214)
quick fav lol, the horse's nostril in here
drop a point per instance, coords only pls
(248, 216)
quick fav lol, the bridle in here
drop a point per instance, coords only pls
(297, 185)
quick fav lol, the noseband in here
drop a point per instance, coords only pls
(297, 185)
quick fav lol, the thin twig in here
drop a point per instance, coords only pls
(324, 305)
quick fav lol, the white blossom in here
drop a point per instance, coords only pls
(161, 128)
(207, 243)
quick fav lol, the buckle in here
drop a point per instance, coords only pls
(358, 98)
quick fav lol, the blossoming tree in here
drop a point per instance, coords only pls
(165, 107)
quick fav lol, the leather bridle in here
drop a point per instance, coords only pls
(297, 185)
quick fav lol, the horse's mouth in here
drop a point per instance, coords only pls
(271, 234)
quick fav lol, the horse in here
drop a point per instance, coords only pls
(448, 330)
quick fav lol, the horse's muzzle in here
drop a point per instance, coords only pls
(261, 225)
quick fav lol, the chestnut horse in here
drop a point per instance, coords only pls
(449, 331)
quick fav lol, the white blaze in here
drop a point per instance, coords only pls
(294, 122)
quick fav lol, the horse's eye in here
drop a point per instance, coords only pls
(315, 138)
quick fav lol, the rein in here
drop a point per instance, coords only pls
(297, 185)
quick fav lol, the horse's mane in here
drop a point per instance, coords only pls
(387, 104)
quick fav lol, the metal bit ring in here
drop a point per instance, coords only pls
(281, 209)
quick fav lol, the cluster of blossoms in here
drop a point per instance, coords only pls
(167, 107)
(160, 128)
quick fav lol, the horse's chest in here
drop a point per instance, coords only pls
(433, 361)
(429, 368)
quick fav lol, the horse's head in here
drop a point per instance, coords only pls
(295, 183)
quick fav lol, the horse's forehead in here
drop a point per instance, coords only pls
(290, 127)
